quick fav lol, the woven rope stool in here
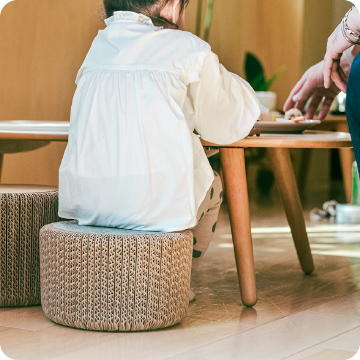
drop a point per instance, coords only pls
(114, 280)
(24, 209)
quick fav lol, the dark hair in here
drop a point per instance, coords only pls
(150, 8)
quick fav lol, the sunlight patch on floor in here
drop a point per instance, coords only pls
(322, 228)
(338, 252)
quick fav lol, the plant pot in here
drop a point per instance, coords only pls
(267, 99)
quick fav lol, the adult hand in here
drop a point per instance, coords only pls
(311, 85)
(336, 45)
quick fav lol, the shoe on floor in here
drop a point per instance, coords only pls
(191, 295)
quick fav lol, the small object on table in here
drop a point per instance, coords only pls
(255, 132)
(266, 115)
(282, 126)
(293, 114)
(297, 119)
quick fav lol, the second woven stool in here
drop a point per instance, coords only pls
(114, 280)
(24, 209)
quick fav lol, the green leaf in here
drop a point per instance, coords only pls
(208, 17)
(253, 68)
(255, 75)
(258, 83)
(274, 77)
(198, 18)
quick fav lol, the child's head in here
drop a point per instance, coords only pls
(167, 13)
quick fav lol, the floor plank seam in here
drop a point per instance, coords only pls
(319, 344)
(232, 335)
(357, 327)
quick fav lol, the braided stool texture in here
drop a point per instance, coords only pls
(24, 209)
(112, 279)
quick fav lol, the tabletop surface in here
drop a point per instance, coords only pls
(59, 130)
(34, 130)
(341, 118)
(308, 139)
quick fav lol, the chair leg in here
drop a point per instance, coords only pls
(233, 165)
(285, 179)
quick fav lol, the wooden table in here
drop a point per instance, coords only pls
(20, 135)
(337, 123)
(233, 164)
(25, 130)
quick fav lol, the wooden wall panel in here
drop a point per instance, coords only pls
(271, 29)
(43, 46)
(316, 31)
(41, 49)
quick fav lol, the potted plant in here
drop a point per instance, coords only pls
(255, 76)
(207, 21)
(254, 70)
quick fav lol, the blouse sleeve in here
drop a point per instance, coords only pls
(226, 107)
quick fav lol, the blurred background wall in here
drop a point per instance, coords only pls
(320, 18)
(43, 43)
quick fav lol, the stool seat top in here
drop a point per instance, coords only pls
(25, 189)
(73, 226)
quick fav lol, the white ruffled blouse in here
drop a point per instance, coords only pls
(132, 159)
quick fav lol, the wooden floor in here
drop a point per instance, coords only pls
(297, 316)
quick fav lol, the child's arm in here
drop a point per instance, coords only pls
(226, 106)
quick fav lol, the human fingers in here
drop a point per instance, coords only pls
(336, 45)
(328, 68)
(301, 104)
(300, 99)
(339, 78)
(306, 91)
(314, 104)
(325, 107)
(290, 103)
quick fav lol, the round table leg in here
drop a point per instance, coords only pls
(233, 165)
(285, 179)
